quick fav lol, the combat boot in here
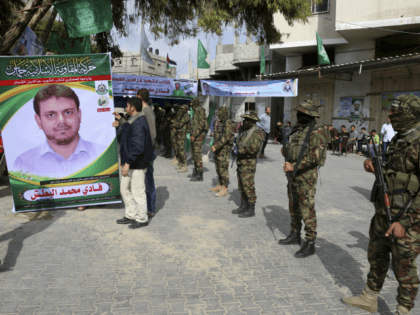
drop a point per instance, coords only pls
(241, 208)
(176, 162)
(293, 238)
(401, 310)
(223, 192)
(179, 166)
(307, 249)
(173, 160)
(194, 173)
(183, 168)
(367, 301)
(250, 211)
(217, 188)
(198, 178)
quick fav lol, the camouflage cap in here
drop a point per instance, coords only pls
(251, 114)
(195, 101)
(307, 107)
(407, 103)
(184, 107)
(223, 110)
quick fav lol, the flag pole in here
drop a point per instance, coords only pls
(141, 32)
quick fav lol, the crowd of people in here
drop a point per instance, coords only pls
(354, 140)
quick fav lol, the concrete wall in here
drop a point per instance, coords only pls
(356, 51)
(159, 68)
(376, 13)
(358, 88)
(303, 34)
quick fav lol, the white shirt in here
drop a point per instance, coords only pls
(44, 161)
(390, 133)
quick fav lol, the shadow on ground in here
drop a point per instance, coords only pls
(162, 195)
(363, 191)
(345, 270)
(362, 240)
(38, 222)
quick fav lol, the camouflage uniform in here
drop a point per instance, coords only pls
(174, 121)
(304, 183)
(199, 129)
(247, 162)
(182, 126)
(222, 146)
(402, 173)
(166, 131)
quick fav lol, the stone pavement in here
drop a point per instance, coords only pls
(195, 257)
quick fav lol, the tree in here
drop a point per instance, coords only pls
(177, 19)
(18, 27)
(8, 10)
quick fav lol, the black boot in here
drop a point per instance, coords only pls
(250, 211)
(198, 178)
(307, 249)
(194, 173)
(241, 208)
(293, 238)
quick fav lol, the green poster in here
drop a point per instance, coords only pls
(85, 17)
(56, 124)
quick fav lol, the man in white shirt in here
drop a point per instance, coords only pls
(264, 124)
(387, 133)
(64, 152)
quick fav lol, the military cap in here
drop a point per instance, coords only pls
(407, 103)
(251, 114)
(185, 107)
(196, 101)
(307, 107)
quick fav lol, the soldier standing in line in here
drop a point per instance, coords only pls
(158, 114)
(306, 152)
(199, 126)
(166, 130)
(249, 144)
(223, 136)
(182, 126)
(174, 121)
(402, 176)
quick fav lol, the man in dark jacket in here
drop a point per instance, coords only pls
(136, 155)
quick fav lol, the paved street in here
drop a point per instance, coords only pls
(195, 257)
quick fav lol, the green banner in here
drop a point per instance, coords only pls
(201, 57)
(322, 54)
(56, 124)
(76, 46)
(85, 17)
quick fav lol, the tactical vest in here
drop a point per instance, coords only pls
(244, 138)
(196, 118)
(296, 142)
(401, 172)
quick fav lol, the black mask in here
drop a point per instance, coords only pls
(304, 119)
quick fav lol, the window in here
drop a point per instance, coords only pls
(118, 63)
(322, 6)
(134, 62)
(158, 64)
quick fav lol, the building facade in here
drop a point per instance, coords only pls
(240, 62)
(131, 63)
(374, 51)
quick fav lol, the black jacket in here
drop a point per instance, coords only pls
(136, 143)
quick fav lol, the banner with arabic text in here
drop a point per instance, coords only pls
(275, 88)
(56, 124)
(159, 87)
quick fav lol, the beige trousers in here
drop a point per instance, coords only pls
(133, 191)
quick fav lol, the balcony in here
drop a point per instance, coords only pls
(249, 54)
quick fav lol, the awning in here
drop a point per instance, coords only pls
(379, 63)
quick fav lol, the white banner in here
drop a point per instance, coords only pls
(279, 88)
(159, 87)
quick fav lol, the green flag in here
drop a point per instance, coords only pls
(188, 140)
(322, 54)
(262, 64)
(201, 57)
(85, 17)
(74, 46)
